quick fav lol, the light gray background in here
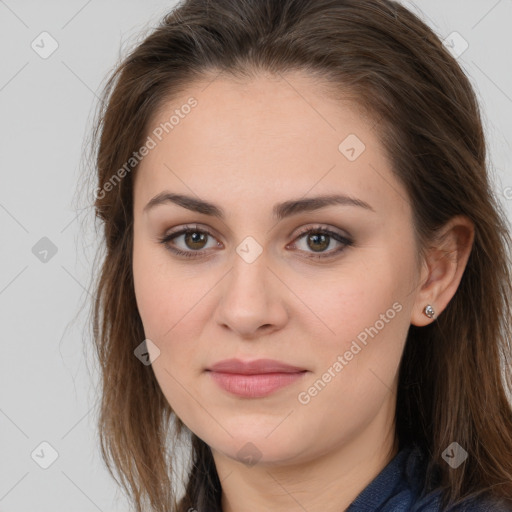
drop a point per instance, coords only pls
(47, 383)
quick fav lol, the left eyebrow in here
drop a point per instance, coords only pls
(280, 210)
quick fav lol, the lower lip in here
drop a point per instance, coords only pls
(254, 386)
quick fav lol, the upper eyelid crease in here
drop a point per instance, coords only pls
(280, 210)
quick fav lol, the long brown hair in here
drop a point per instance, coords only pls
(451, 385)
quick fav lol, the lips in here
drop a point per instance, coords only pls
(258, 366)
(254, 379)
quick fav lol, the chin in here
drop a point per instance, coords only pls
(256, 447)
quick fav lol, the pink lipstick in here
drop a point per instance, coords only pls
(254, 379)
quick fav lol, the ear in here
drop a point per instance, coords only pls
(443, 267)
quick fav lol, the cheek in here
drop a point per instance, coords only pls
(355, 299)
(172, 303)
(158, 296)
(145, 280)
(167, 316)
(366, 311)
(356, 366)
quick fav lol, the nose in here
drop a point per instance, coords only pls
(252, 301)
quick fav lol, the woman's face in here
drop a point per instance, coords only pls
(336, 305)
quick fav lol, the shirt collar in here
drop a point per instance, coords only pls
(396, 487)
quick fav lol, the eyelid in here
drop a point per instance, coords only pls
(322, 227)
(345, 240)
(306, 229)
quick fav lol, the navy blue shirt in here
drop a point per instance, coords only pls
(399, 487)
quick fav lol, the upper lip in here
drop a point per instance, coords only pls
(257, 366)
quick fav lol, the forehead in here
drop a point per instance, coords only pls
(265, 134)
(292, 107)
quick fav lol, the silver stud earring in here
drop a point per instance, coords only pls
(429, 311)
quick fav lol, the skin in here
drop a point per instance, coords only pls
(246, 146)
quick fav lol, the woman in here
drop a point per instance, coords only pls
(306, 270)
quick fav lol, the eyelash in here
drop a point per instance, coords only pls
(197, 254)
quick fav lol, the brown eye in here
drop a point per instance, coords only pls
(195, 239)
(317, 240)
(194, 242)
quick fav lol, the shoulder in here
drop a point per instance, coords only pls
(433, 503)
(401, 487)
